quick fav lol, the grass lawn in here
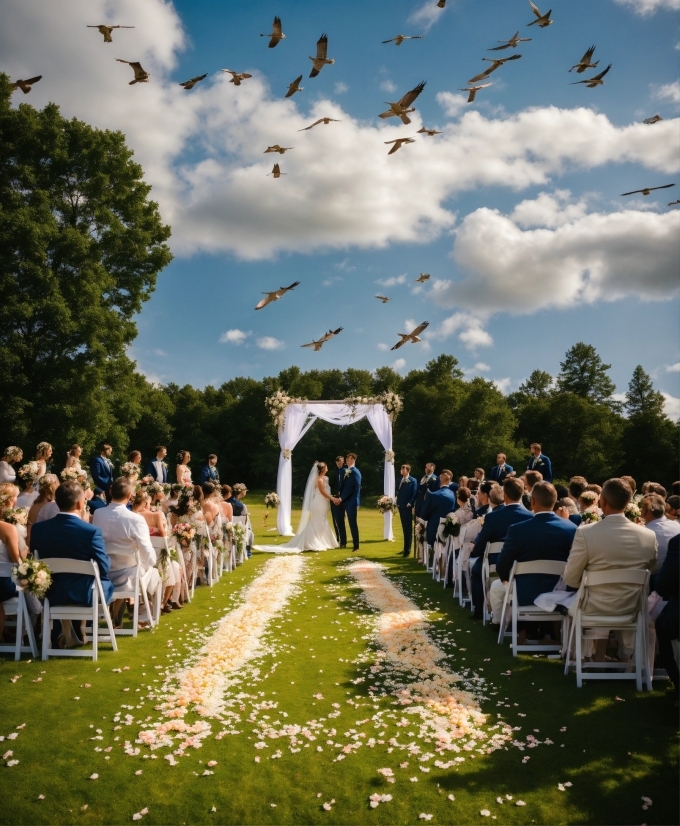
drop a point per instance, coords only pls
(618, 746)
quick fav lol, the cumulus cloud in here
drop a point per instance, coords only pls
(388, 86)
(645, 7)
(270, 343)
(234, 336)
(426, 15)
(503, 385)
(481, 367)
(383, 346)
(671, 406)
(452, 104)
(340, 88)
(392, 280)
(467, 326)
(669, 91)
(549, 210)
(399, 364)
(673, 368)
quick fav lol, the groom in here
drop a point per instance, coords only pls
(348, 502)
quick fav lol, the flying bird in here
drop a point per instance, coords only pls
(430, 132)
(647, 190)
(510, 44)
(496, 63)
(294, 87)
(542, 20)
(276, 171)
(398, 143)
(653, 119)
(317, 122)
(595, 80)
(383, 298)
(275, 295)
(25, 85)
(320, 60)
(237, 77)
(317, 345)
(399, 39)
(401, 108)
(423, 277)
(276, 33)
(441, 4)
(474, 89)
(585, 62)
(276, 148)
(189, 84)
(412, 336)
(674, 203)
(107, 30)
(140, 75)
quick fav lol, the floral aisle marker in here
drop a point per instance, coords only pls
(200, 687)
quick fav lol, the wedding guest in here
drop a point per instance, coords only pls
(566, 509)
(209, 471)
(209, 506)
(238, 492)
(654, 487)
(135, 457)
(407, 491)
(562, 491)
(615, 542)
(437, 505)
(429, 483)
(9, 553)
(667, 586)
(101, 469)
(478, 478)
(98, 500)
(595, 489)
(124, 534)
(653, 513)
(73, 457)
(157, 468)
(170, 570)
(464, 510)
(632, 484)
(587, 501)
(483, 499)
(577, 484)
(531, 478)
(226, 505)
(540, 462)
(675, 489)
(173, 499)
(182, 470)
(673, 508)
(43, 454)
(47, 485)
(25, 481)
(495, 528)
(501, 469)
(12, 455)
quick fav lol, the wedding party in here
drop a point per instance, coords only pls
(341, 486)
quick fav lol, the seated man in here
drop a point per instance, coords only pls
(546, 536)
(612, 543)
(437, 505)
(531, 478)
(68, 536)
(667, 587)
(124, 533)
(495, 528)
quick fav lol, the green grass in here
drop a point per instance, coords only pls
(613, 751)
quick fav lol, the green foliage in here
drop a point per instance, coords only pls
(641, 397)
(584, 374)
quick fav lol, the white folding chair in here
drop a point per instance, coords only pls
(98, 610)
(439, 552)
(161, 543)
(635, 621)
(241, 555)
(530, 613)
(228, 540)
(218, 554)
(137, 591)
(16, 607)
(488, 570)
(420, 540)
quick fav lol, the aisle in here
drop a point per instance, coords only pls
(311, 712)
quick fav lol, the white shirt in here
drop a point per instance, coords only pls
(158, 464)
(7, 472)
(124, 533)
(664, 529)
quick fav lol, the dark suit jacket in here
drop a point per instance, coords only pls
(338, 475)
(498, 475)
(667, 585)
(424, 488)
(151, 471)
(482, 510)
(68, 537)
(546, 536)
(576, 518)
(436, 506)
(102, 472)
(207, 473)
(496, 526)
(237, 506)
(95, 503)
(350, 490)
(407, 492)
(542, 465)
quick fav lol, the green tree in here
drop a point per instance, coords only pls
(585, 375)
(539, 385)
(641, 397)
(82, 245)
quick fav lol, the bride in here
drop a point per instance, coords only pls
(314, 531)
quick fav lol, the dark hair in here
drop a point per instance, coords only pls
(351, 456)
(485, 486)
(198, 493)
(616, 493)
(673, 502)
(226, 491)
(513, 488)
(408, 467)
(212, 456)
(122, 488)
(134, 454)
(562, 491)
(545, 494)
(655, 487)
(577, 484)
(655, 504)
(675, 488)
(181, 455)
(67, 495)
(340, 459)
(159, 448)
(208, 489)
(104, 447)
(463, 494)
(533, 477)
(185, 506)
(446, 473)
(631, 482)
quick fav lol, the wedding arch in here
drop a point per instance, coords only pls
(294, 417)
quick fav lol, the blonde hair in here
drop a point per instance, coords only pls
(12, 453)
(47, 486)
(43, 449)
(8, 491)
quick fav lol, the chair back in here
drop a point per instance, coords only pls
(493, 547)
(240, 520)
(616, 576)
(540, 566)
(160, 543)
(57, 565)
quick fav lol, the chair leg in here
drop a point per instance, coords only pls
(514, 628)
(46, 629)
(29, 632)
(95, 625)
(578, 653)
(20, 628)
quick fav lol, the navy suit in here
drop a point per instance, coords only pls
(161, 477)
(208, 473)
(667, 623)
(237, 506)
(407, 490)
(102, 473)
(542, 464)
(576, 518)
(95, 503)
(350, 491)
(546, 536)
(437, 505)
(68, 537)
(337, 475)
(499, 472)
(494, 529)
(481, 511)
(430, 485)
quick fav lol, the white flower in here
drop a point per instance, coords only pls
(520, 803)
(485, 813)
(423, 816)
(451, 797)
(94, 777)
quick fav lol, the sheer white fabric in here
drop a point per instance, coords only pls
(298, 421)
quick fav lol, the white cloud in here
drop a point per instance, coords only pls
(645, 7)
(383, 347)
(452, 104)
(399, 364)
(332, 279)
(669, 91)
(426, 15)
(503, 385)
(160, 353)
(673, 368)
(671, 406)
(345, 266)
(270, 343)
(234, 336)
(388, 86)
(467, 326)
(548, 210)
(340, 88)
(392, 280)
(483, 368)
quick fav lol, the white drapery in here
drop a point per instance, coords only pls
(299, 418)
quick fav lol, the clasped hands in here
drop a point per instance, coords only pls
(336, 500)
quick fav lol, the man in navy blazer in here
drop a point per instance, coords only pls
(537, 461)
(407, 491)
(209, 471)
(501, 470)
(437, 505)
(667, 622)
(157, 467)
(428, 484)
(348, 502)
(337, 477)
(546, 536)
(102, 469)
(67, 536)
(494, 529)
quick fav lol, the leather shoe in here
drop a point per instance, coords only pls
(343, 546)
(355, 549)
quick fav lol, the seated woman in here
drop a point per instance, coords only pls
(47, 485)
(189, 510)
(27, 476)
(226, 505)
(168, 568)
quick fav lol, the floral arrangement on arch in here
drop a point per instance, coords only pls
(32, 575)
(392, 403)
(276, 404)
(386, 504)
(271, 500)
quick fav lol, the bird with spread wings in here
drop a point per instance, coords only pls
(24, 85)
(646, 190)
(423, 277)
(321, 58)
(275, 295)
(542, 20)
(317, 345)
(402, 107)
(586, 62)
(595, 80)
(514, 41)
(108, 30)
(412, 337)
(294, 87)
(383, 298)
(317, 122)
(430, 132)
(399, 39)
(654, 119)
(673, 203)
(398, 143)
(276, 171)
(474, 89)
(140, 75)
(237, 77)
(276, 33)
(276, 148)
(496, 63)
(189, 84)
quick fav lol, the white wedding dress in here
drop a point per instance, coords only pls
(314, 531)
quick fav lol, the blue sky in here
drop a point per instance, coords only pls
(527, 244)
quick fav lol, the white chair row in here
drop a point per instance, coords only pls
(16, 608)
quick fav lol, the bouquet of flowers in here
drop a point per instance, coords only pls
(631, 512)
(15, 516)
(239, 534)
(451, 526)
(72, 474)
(32, 575)
(239, 487)
(386, 504)
(184, 533)
(272, 500)
(28, 473)
(589, 517)
(130, 469)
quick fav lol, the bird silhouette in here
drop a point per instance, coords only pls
(595, 80)
(652, 120)
(276, 172)
(399, 39)
(510, 44)
(646, 190)
(276, 34)
(398, 143)
(412, 337)
(674, 203)
(585, 62)
(430, 132)
(321, 59)
(383, 298)
(317, 345)
(275, 295)
(423, 277)
(189, 84)
(237, 77)
(542, 20)
(402, 107)
(276, 148)
(24, 85)
(496, 63)
(294, 87)
(107, 31)
(474, 89)
(317, 122)
(140, 75)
